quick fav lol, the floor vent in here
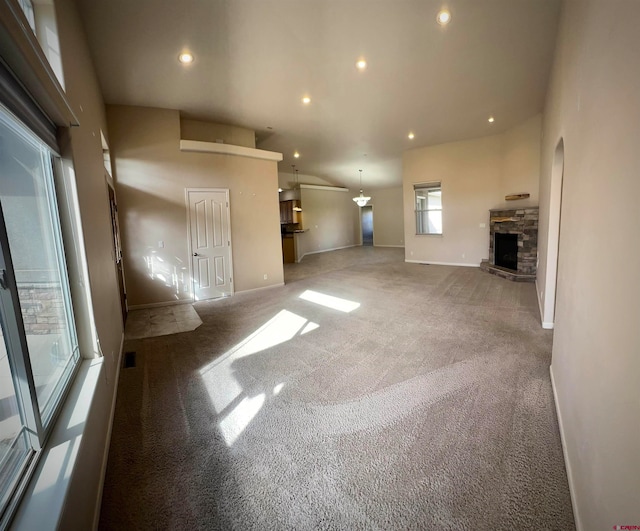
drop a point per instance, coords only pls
(129, 360)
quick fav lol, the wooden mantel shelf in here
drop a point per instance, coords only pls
(228, 149)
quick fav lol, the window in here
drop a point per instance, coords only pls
(428, 208)
(27, 9)
(38, 348)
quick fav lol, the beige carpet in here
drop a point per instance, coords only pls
(365, 394)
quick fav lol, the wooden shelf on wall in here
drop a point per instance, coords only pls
(515, 197)
(502, 220)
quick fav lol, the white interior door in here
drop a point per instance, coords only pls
(210, 243)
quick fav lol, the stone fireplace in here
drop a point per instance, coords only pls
(513, 244)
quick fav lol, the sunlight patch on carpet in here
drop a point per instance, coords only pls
(222, 386)
(329, 301)
(240, 417)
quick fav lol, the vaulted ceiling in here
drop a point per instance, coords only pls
(256, 59)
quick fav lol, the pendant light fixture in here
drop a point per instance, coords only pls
(297, 207)
(361, 200)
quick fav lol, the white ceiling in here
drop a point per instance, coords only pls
(255, 59)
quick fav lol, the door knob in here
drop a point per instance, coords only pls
(196, 254)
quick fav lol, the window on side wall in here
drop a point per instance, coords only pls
(428, 201)
(38, 344)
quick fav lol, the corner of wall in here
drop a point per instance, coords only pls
(546, 325)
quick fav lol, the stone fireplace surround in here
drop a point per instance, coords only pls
(524, 223)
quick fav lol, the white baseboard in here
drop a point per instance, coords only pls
(327, 250)
(547, 325)
(429, 262)
(105, 457)
(395, 246)
(260, 289)
(159, 304)
(567, 463)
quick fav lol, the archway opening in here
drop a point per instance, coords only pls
(553, 248)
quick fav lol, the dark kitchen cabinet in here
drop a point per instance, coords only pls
(288, 214)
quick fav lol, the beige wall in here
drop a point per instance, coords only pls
(388, 226)
(475, 176)
(86, 150)
(331, 218)
(82, 147)
(211, 132)
(521, 163)
(592, 104)
(470, 175)
(152, 174)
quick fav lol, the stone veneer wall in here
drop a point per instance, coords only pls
(524, 223)
(42, 306)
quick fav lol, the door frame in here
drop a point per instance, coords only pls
(117, 246)
(187, 191)
(548, 308)
(373, 232)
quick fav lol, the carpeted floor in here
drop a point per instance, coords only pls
(365, 394)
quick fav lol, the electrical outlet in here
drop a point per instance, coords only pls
(265, 276)
(463, 255)
(483, 225)
(160, 243)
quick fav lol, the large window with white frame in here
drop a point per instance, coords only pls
(38, 344)
(428, 201)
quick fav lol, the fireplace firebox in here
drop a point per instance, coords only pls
(506, 250)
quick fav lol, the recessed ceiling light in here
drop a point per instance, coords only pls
(296, 155)
(411, 136)
(443, 17)
(361, 64)
(306, 100)
(491, 119)
(185, 58)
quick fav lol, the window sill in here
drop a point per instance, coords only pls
(44, 498)
(428, 234)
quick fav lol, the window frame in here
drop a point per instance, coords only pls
(426, 188)
(38, 419)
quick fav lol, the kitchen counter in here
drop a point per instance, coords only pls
(288, 248)
(290, 245)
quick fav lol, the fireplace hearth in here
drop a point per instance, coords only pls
(513, 244)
